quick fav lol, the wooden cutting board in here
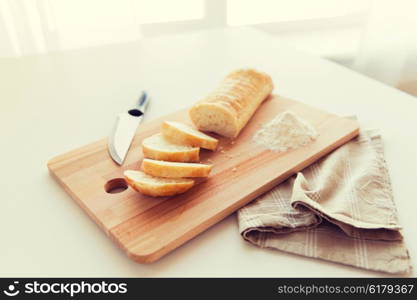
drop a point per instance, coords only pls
(147, 228)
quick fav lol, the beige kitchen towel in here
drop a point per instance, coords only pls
(339, 209)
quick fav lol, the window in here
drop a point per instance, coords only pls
(28, 27)
(330, 28)
(245, 12)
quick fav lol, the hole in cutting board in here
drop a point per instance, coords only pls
(116, 185)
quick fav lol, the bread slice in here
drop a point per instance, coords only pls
(182, 134)
(229, 107)
(174, 169)
(159, 148)
(157, 187)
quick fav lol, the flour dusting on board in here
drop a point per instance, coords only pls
(286, 131)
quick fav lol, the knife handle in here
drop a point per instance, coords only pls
(143, 101)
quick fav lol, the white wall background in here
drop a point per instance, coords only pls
(39, 26)
(379, 37)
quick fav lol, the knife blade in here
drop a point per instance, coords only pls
(125, 128)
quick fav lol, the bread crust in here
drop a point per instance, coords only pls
(153, 148)
(174, 170)
(181, 156)
(178, 136)
(161, 190)
(234, 102)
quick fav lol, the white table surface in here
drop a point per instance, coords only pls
(57, 102)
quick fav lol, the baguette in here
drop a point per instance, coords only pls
(182, 134)
(159, 148)
(229, 107)
(174, 169)
(157, 187)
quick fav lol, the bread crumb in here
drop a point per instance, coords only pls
(222, 151)
(234, 169)
(220, 148)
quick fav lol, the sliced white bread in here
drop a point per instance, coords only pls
(159, 148)
(174, 169)
(182, 134)
(157, 187)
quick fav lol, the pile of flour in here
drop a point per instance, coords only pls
(286, 131)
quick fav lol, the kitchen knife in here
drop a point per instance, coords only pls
(125, 128)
